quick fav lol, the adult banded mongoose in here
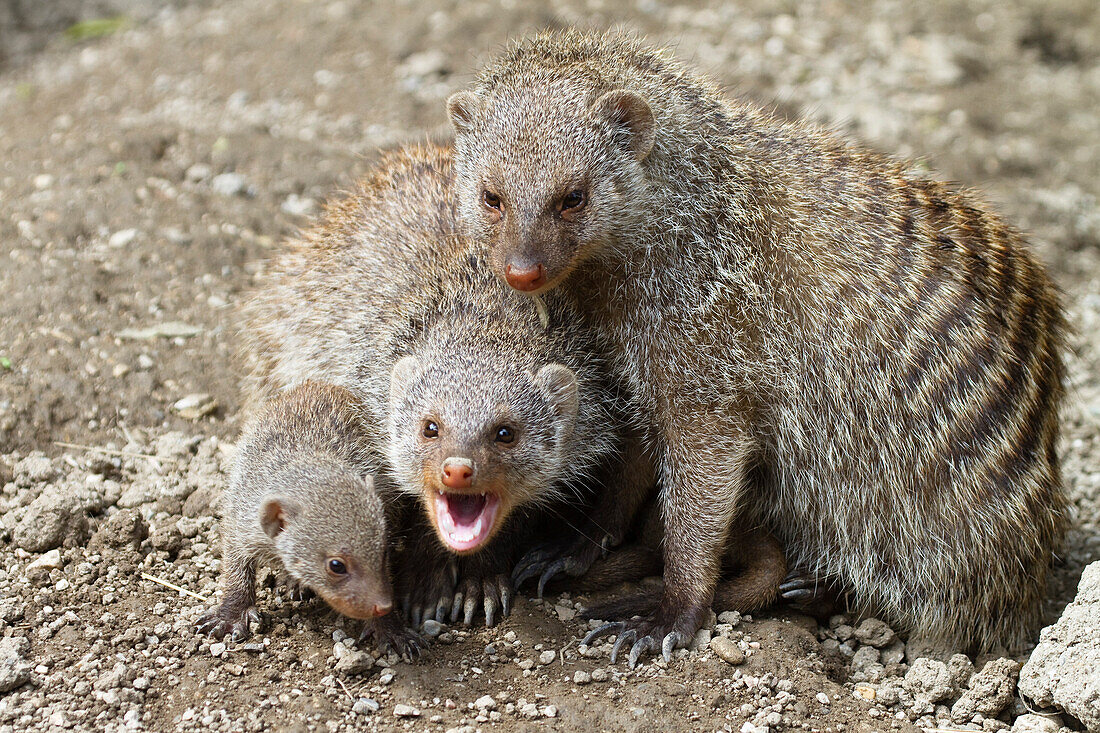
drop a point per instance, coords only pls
(880, 351)
(480, 400)
(301, 496)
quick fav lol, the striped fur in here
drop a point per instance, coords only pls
(882, 349)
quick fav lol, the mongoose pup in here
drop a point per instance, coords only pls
(879, 351)
(301, 495)
(483, 400)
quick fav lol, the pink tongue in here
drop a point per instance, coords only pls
(465, 508)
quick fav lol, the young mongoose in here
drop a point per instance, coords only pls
(880, 350)
(482, 400)
(301, 495)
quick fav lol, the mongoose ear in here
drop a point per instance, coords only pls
(632, 113)
(461, 108)
(275, 514)
(560, 385)
(402, 374)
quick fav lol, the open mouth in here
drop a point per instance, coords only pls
(465, 520)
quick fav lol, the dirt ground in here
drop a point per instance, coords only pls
(146, 171)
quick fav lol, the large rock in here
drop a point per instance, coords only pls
(1064, 670)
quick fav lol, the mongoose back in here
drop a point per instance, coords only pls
(301, 495)
(481, 399)
(879, 351)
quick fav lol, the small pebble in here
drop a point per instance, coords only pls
(485, 702)
(405, 711)
(217, 649)
(547, 656)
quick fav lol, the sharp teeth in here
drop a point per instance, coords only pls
(482, 494)
(477, 528)
(441, 492)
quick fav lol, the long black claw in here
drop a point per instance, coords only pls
(642, 646)
(798, 595)
(506, 601)
(672, 640)
(415, 616)
(441, 609)
(795, 584)
(629, 635)
(607, 629)
(555, 568)
(521, 577)
(470, 609)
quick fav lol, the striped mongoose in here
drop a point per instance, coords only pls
(879, 350)
(301, 495)
(479, 400)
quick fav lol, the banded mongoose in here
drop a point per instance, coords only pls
(301, 495)
(482, 400)
(880, 348)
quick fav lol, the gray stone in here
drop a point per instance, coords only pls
(34, 469)
(1064, 669)
(990, 690)
(1033, 723)
(874, 632)
(15, 669)
(929, 680)
(58, 516)
(354, 663)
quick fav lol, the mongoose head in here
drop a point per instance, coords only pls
(476, 438)
(549, 174)
(328, 528)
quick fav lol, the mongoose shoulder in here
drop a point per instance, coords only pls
(883, 348)
(301, 496)
(480, 400)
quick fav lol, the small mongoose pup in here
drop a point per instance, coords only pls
(867, 360)
(482, 400)
(301, 495)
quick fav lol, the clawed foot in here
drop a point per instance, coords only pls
(393, 637)
(221, 622)
(809, 593)
(649, 634)
(432, 594)
(492, 594)
(549, 560)
(297, 592)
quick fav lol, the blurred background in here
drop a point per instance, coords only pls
(152, 152)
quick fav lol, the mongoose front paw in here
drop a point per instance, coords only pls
(221, 622)
(430, 590)
(549, 560)
(492, 594)
(393, 637)
(658, 631)
(298, 592)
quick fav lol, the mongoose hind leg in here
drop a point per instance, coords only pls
(814, 596)
(761, 571)
(392, 636)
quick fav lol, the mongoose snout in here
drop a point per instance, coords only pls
(458, 473)
(522, 276)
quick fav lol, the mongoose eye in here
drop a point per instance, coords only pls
(573, 202)
(336, 566)
(491, 199)
(431, 430)
(505, 434)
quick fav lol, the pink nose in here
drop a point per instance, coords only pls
(525, 279)
(457, 474)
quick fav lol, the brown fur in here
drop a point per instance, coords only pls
(867, 361)
(383, 297)
(301, 496)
